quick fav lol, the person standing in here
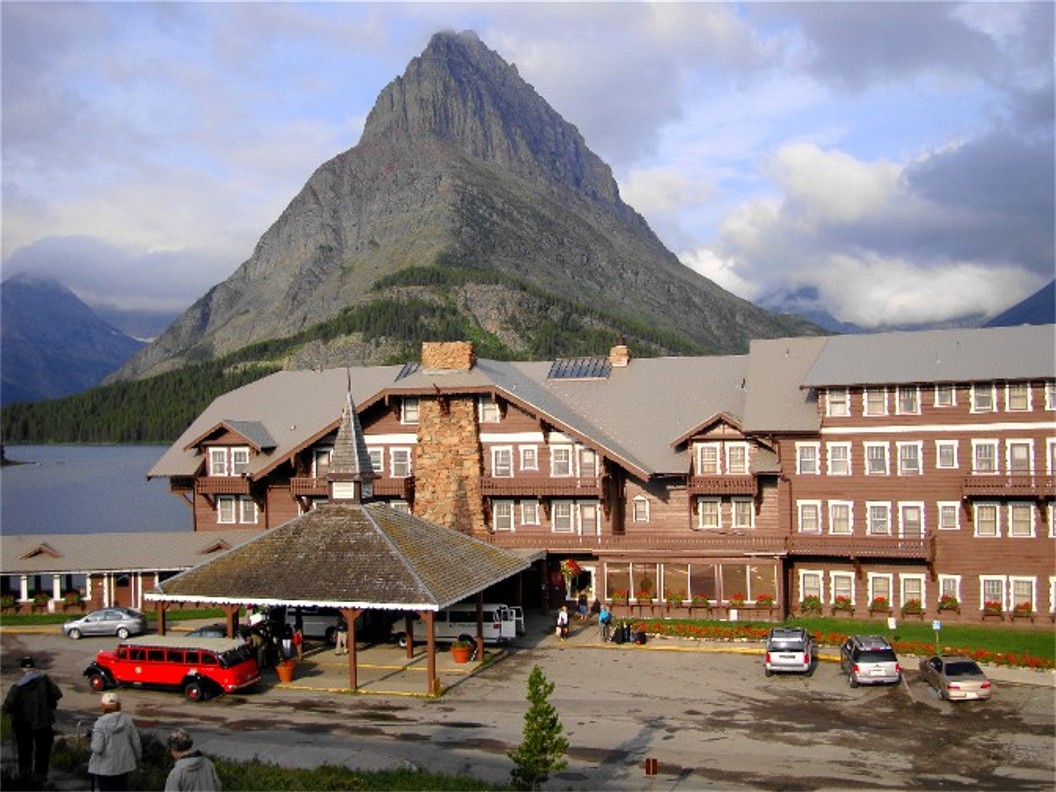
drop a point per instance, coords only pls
(562, 622)
(341, 647)
(605, 623)
(31, 703)
(192, 771)
(116, 749)
(298, 643)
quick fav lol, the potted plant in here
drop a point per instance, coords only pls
(1022, 610)
(8, 602)
(737, 600)
(842, 603)
(880, 604)
(41, 600)
(992, 608)
(570, 570)
(674, 600)
(948, 602)
(811, 604)
(72, 599)
(911, 606)
(644, 597)
(765, 601)
(700, 601)
(284, 669)
(619, 597)
(461, 651)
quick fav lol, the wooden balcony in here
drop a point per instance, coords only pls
(1017, 486)
(307, 487)
(301, 487)
(221, 485)
(501, 486)
(402, 488)
(861, 546)
(722, 485)
(698, 543)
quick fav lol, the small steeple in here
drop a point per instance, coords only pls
(351, 475)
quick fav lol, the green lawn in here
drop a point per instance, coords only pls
(178, 614)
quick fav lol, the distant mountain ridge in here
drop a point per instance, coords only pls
(1038, 308)
(461, 164)
(51, 343)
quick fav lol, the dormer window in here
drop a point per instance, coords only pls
(489, 409)
(228, 460)
(409, 410)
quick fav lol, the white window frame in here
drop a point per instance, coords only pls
(902, 469)
(1052, 519)
(1028, 579)
(847, 577)
(377, 459)
(866, 393)
(956, 508)
(1012, 506)
(1001, 581)
(819, 575)
(941, 392)
(887, 578)
(837, 403)
(502, 461)
(410, 410)
(217, 461)
(226, 509)
(808, 459)
(248, 511)
(563, 452)
(991, 444)
(833, 523)
(488, 409)
(239, 460)
(976, 508)
(831, 469)
(1050, 455)
(715, 448)
(640, 509)
(739, 504)
(886, 522)
(700, 514)
(530, 510)
(1013, 443)
(801, 523)
(529, 457)
(955, 581)
(1050, 394)
(903, 597)
(901, 393)
(732, 468)
(321, 459)
(919, 506)
(560, 506)
(401, 506)
(887, 458)
(1027, 394)
(585, 458)
(502, 516)
(981, 405)
(941, 444)
(1052, 593)
(395, 466)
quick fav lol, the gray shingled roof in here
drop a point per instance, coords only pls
(349, 556)
(775, 399)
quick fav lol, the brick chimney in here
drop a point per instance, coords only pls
(620, 354)
(440, 355)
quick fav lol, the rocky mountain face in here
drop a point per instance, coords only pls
(1038, 308)
(461, 162)
(52, 344)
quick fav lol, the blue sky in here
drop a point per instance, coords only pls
(887, 162)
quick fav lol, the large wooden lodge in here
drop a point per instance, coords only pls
(882, 473)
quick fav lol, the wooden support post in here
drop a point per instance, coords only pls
(432, 682)
(350, 615)
(408, 630)
(159, 611)
(231, 619)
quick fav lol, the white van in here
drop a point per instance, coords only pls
(459, 622)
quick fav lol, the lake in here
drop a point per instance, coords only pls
(87, 489)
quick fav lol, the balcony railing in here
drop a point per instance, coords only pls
(722, 485)
(860, 546)
(305, 486)
(1016, 486)
(499, 486)
(318, 487)
(700, 544)
(399, 487)
(222, 485)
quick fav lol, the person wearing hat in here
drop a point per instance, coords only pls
(116, 749)
(31, 703)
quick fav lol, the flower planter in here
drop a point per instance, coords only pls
(461, 654)
(842, 613)
(993, 615)
(881, 613)
(1023, 615)
(918, 615)
(285, 672)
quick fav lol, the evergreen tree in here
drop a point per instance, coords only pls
(542, 751)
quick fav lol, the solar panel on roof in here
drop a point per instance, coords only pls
(592, 367)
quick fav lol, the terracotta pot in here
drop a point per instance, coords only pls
(461, 654)
(285, 672)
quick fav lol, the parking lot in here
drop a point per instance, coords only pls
(707, 713)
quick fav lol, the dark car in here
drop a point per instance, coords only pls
(217, 631)
(121, 622)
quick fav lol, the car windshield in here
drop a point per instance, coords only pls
(877, 656)
(966, 668)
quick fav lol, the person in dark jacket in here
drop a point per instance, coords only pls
(192, 771)
(116, 748)
(31, 703)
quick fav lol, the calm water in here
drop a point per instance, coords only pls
(87, 489)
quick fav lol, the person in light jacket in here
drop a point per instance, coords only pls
(192, 771)
(116, 750)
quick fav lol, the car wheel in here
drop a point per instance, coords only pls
(97, 682)
(331, 636)
(768, 672)
(852, 681)
(402, 640)
(122, 633)
(942, 693)
(193, 691)
(75, 634)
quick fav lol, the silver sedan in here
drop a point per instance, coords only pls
(955, 678)
(121, 622)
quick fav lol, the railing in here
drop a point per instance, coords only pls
(302, 486)
(498, 486)
(399, 487)
(722, 485)
(306, 487)
(1020, 486)
(701, 544)
(860, 546)
(222, 485)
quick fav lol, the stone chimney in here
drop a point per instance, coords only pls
(441, 355)
(620, 354)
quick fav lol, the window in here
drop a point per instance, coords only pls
(945, 396)
(1050, 454)
(912, 588)
(743, 513)
(841, 517)
(908, 400)
(876, 459)
(809, 584)
(950, 586)
(875, 401)
(842, 585)
(1022, 590)
(247, 510)
(562, 516)
(879, 518)
(737, 459)
(640, 509)
(837, 403)
(377, 459)
(239, 461)
(400, 462)
(502, 461)
(561, 461)
(839, 459)
(809, 517)
(588, 463)
(401, 506)
(987, 520)
(225, 509)
(529, 512)
(992, 589)
(529, 458)
(1050, 395)
(228, 461)
(321, 458)
(946, 454)
(1020, 456)
(502, 515)
(983, 398)
(949, 516)
(489, 409)
(984, 456)
(909, 459)
(708, 459)
(911, 520)
(1017, 397)
(710, 515)
(1021, 520)
(879, 586)
(409, 410)
(217, 461)
(807, 459)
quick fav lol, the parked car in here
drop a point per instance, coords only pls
(121, 622)
(217, 630)
(200, 667)
(459, 623)
(869, 660)
(956, 678)
(788, 649)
